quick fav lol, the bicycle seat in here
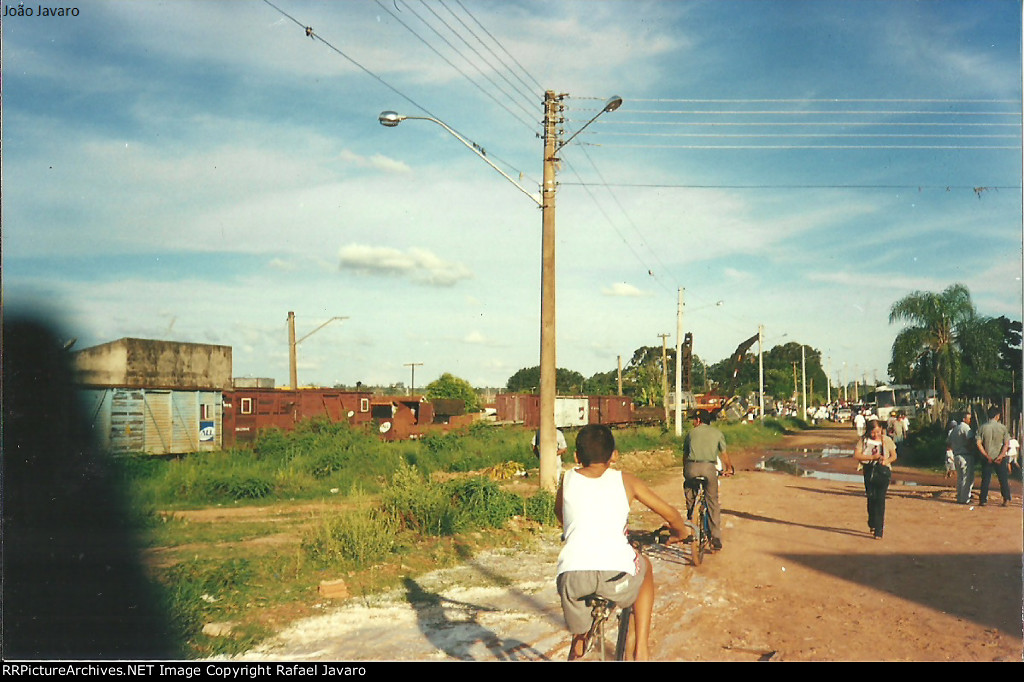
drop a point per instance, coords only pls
(595, 599)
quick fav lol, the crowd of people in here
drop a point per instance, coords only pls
(593, 502)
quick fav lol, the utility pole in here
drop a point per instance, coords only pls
(549, 464)
(803, 377)
(413, 365)
(664, 374)
(293, 372)
(293, 346)
(620, 375)
(828, 380)
(679, 364)
(760, 369)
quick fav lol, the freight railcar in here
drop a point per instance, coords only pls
(570, 411)
(247, 411)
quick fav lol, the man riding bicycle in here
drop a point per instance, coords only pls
(703, 446)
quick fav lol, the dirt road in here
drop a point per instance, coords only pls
(799, 579)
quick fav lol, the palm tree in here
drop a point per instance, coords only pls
(931, 344)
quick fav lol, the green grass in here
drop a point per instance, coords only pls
(384, 515)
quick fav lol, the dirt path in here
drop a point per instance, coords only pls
(799, 579)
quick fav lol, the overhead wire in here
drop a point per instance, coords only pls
(604, 127)
(530, 126)
(525, 91)
(317, 37)
(932, 134)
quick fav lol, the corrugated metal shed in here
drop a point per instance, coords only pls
(154, 421)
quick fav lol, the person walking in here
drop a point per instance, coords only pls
(993, 441)
(876, 452)
(703, 446)
(961, 442)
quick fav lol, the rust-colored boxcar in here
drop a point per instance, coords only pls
(570, 411)
(611, 410)
(401, 417)
(247, 411)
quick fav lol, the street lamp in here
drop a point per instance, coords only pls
(390, 119)
(549, 464)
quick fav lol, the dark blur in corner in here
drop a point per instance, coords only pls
(73, 584)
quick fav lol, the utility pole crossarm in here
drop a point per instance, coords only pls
(319, 328)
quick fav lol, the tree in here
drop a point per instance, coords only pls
(931, 345)
(991, 357)
(527, 380)
(602, 383)
(450, 387)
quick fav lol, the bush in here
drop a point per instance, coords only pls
(483, 503)
(236, 485)
(924, 447)
(420, 505)
(355, 538)
(197, 586)
(540, 507)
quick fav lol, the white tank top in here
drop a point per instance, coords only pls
(595, 512)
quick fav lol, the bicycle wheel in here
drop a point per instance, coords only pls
(706, 523)
(697, 546)
(623, 643)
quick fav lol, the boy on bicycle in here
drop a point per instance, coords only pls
(593, 506)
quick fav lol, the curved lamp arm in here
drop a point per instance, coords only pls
(390, 119)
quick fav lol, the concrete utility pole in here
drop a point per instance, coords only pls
(679, 364)
(620, 375)
(803, 377)
(293, 372)
(664, 374)
(293, 346)
(760, 369)
(828, 380)
(549, 464)
(413, 365)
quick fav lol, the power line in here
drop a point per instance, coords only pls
(827, 112)
(316, 36)
(499, 44)
(653, 185)
(530, 126)
(803, 146)
(611, 222)
(523, 92)
(903, 100)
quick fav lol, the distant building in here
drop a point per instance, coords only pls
(157, 397)
(147, 363)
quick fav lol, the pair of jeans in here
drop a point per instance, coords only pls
(964, 463)
(1002, 470)
(876, 485)
(710, 471)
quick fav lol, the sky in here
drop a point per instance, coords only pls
(193, 171)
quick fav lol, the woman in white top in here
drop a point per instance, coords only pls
(876, 452)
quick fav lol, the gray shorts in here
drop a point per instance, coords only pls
(573, 586)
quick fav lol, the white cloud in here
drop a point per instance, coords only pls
(624, 289)
(418, 265)
(376, 162)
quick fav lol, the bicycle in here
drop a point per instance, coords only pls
(701, 541)
(601, 608)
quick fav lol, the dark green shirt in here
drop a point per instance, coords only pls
(703, 444)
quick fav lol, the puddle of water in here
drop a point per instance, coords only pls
(788, 465)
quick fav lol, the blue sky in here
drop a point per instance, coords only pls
(193, 171)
